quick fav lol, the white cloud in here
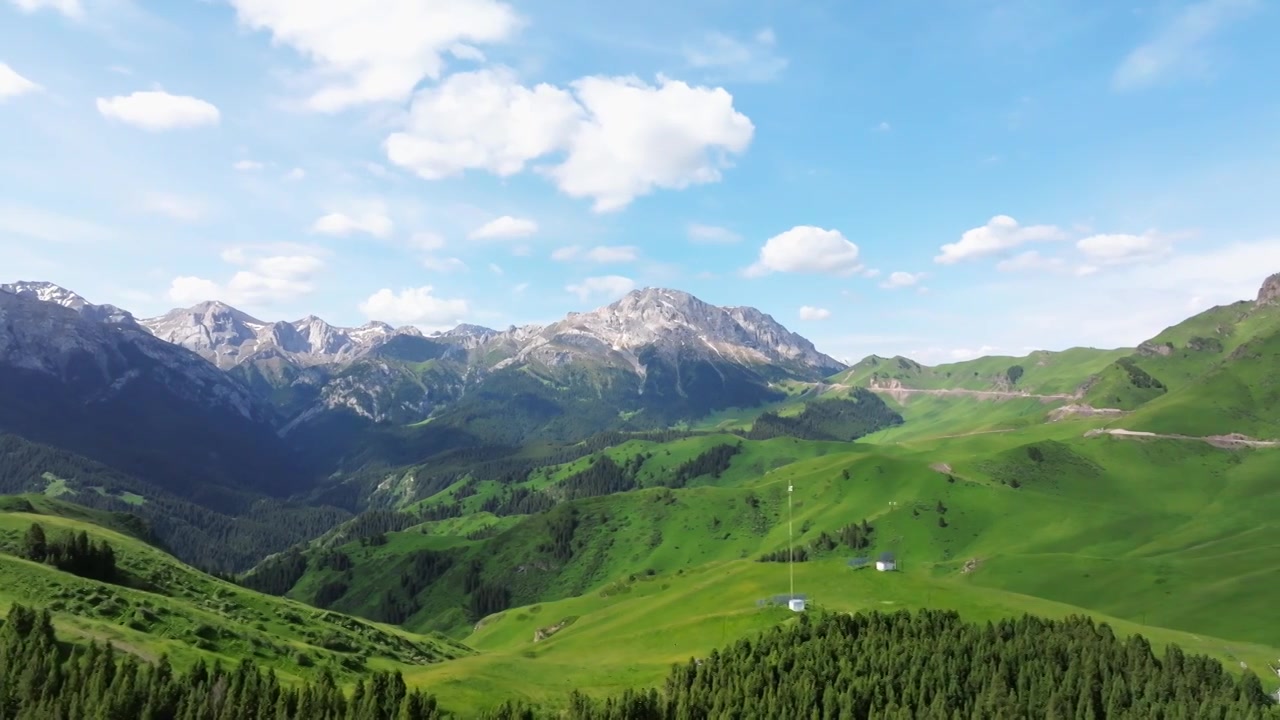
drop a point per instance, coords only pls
(247, 165)
(814, 313)
(415, 306)
(71, 8)
(900, 279)
(807, 249)
(999, 234)
(870, 273)
(520, 288)
(1120, 248)
(496, 269)
(602, 254)
(426, 241)
(12, 84)
(439, 264)
(371, 218)
(1178, 45)
(265, 279)
(727, 58)
(884, 126)
(174, 206)
(621, 138)
(711, 234)
(367, 51)
(157, 110)
(1029, 260)
(505, 227)
(611, 286)
(296, 174)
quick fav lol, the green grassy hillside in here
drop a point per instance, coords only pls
(166, 607)
(1152, 536)
(1041, 372)
(1205, 375)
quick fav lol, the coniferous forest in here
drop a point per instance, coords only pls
(929, 664)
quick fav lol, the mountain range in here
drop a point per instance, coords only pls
(674, 355)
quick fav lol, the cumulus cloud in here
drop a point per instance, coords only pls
(814, 313)
(711, 234)
(807, 249)
(753, 59)
(265, 279)
(12, 84)
(1120, 248)
(367, 51)
(157, 110)
(296, 174)
(620, 138)
(505, 228)
(71, 8)
(370, 218)
(1001, 233)
(900, 279)
(247, 165)
(610, 286)
(602, 254)
(1179, 44)
(414, 306)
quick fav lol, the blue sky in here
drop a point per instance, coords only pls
(938, 179)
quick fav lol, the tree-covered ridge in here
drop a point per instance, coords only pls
(837, 419)
(214, 528)
(42, 680)
(932, 665)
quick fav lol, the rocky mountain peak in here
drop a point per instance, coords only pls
(1269, 293)
(58, 295)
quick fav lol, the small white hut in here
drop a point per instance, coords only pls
(796, 604)
(886, 562)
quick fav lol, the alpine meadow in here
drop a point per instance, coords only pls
(672, 362)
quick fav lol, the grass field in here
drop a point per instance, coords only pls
(1171, 539)
(172, 609)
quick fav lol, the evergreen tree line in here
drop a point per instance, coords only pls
(603, 476)
(713, 461)
(854, 536)
(423, 568)
(72, 552)
(930, 665)
(215, 529)
(840, 419)
(42, 680)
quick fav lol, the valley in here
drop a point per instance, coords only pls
(519, 515)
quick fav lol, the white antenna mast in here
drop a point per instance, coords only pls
(791, 551)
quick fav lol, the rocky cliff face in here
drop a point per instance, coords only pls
(50, 293)
(669, 323)
(228, 337)
(1269, 293)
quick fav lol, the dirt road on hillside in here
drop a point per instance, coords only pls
(1233, 440)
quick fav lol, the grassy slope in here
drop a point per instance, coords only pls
(1044, 372)
(1215, 369)
(1158, 537)
(188, 614)
(1158, 542)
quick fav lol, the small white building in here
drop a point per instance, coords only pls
(796, 604)
(886, 562)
